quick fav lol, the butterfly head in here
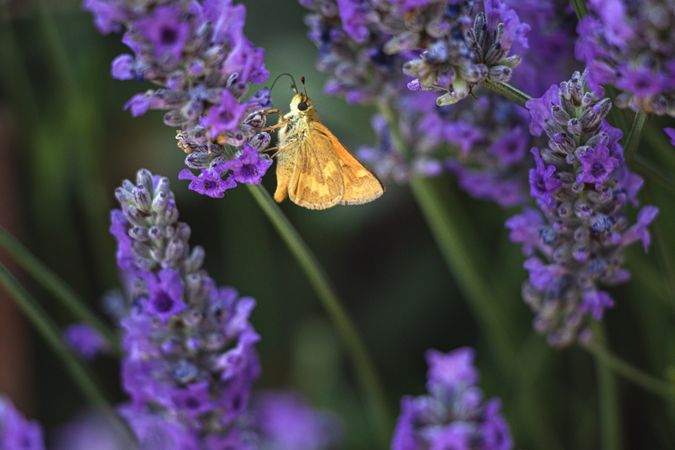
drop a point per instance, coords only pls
(301, 104)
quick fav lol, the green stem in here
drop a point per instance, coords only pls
(441, 209)
(52, 335)
(608, 398)
(54, 285)
(631, 373)
(84, 125)
(634, 135)
(50, 332)
(646, 168)
(364, 367)
(508, 91)
(580, 8)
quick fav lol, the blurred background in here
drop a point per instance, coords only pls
(66, 143)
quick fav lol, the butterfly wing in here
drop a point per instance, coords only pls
(316, 182)
(360, 184)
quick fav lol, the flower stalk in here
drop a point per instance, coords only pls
(631, 373)
(356, 349)
(50, 332)
(608, 398)
(441, 210)
(508, 91)
(55, 286)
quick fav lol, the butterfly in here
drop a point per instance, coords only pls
(314, 170)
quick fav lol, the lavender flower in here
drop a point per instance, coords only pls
(197, 56)
(190, 356)
(367, 45)
(551, 41)
(90, 430)
(17, 433)
(482, 143)
(630, 45)
(446, 46)
(84, 340)
(453, 415)
(285, 422)
(582, 186)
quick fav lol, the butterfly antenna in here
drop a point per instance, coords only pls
(294, 86)
(304, 86)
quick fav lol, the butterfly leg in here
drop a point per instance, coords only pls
(279, 124)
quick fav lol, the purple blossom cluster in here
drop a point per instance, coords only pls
(482, 142)
(17, 433)
(484, 145)
(190, 357)
(631, 45)
(453, 414)
(445, 46)
(582, 186)
(197, 56)
(550, 39)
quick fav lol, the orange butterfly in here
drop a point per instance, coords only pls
(314, 169)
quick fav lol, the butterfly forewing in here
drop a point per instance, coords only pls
(316, 182)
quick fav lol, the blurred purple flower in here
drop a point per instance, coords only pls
(17, 433)
(670, 132)
(84, 340)
(453, 414)
(285, 422)
(630, 45)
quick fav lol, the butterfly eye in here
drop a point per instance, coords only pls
(302, 106)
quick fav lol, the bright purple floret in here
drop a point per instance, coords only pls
(209, 182)
(249, 167)
(165, 31)
(224, 116)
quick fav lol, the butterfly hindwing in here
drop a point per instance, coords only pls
(360, 184)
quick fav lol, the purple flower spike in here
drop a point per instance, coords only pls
(453, 414)
(582, 186)
(201, 65)
(189, 347)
